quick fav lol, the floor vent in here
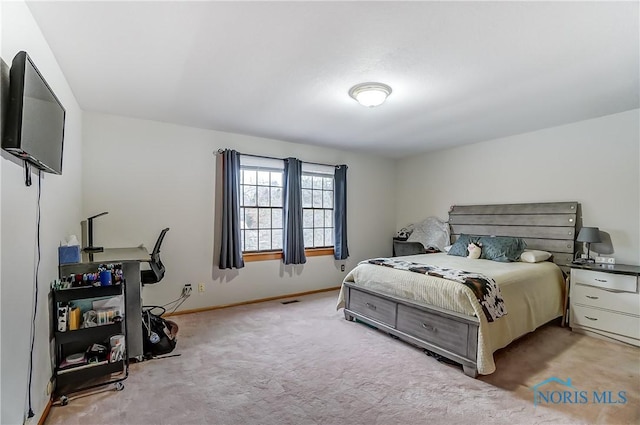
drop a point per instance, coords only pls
(290, 301)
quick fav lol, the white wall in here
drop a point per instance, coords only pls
(60, 216)
(151, 175)
(595, 162)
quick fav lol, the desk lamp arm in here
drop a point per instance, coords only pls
(90, 247)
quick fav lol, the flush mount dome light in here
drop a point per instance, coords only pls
(370, 94)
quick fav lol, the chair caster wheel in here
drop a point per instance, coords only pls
(119, 386)
(64, 400)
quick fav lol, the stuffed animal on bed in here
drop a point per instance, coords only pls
(474, 250)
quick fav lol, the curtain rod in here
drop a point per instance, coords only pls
(280, 159)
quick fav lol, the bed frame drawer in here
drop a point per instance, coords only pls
(374, 307)
(438, 330)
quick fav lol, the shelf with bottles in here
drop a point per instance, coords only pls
(104, 280)
(85, 301)
(70, 294)
(80, 316)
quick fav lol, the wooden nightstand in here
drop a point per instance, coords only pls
(604, 301)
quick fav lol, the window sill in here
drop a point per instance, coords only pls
(277, 255)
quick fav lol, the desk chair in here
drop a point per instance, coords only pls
(156, 273)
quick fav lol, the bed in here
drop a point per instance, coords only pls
(443, 316)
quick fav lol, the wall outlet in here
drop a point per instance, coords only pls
(201, 287)
(186, 290)
(605, 260)
(342, 267)
(49, 387)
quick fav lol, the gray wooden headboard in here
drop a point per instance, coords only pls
(545, 226)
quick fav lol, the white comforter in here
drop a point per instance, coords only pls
(533, 295)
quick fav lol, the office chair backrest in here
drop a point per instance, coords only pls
(156, 273)
(156, 249)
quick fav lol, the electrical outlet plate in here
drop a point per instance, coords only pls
(605, 260)
(200, 287)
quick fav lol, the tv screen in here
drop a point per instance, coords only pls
(34, 128)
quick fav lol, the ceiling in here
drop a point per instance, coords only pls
(461, 72)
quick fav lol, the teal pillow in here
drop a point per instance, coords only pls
(459, 248)
(502, 248)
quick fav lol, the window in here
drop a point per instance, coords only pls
(317, 209)
(260, 208)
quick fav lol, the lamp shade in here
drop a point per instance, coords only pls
(589, 234)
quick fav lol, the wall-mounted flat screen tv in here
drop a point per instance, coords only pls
(34, 127)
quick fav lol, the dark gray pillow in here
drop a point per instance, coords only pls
(459, 248)
(502, 248)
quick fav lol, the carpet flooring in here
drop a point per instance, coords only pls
(302, 363)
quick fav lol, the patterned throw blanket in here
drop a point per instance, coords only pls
(484, 288)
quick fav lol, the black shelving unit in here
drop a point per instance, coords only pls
(86, 376)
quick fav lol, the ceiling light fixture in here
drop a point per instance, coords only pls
(370, 94)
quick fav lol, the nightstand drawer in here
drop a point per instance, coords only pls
(624, 302)
(620, 324)
(618, 282)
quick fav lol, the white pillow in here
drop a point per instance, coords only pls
(534, 256)
(447, 248)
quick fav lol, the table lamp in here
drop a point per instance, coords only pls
(589, 235)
